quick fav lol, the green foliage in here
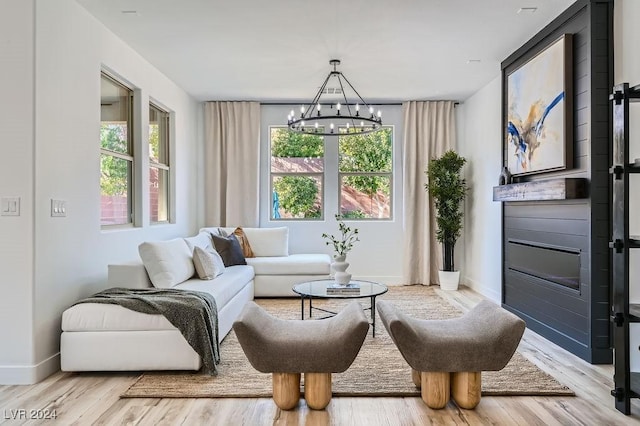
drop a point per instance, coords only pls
(154, 142)
(285, 143)
(448, 190)
(114, 176)
(353, 214)
(367, 153)
(297, 195)
(344, 243)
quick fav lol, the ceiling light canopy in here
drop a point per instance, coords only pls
(352, 115)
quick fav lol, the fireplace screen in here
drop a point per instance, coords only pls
(559, 265)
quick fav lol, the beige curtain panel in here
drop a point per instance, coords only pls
(429, 131)
(232, 163)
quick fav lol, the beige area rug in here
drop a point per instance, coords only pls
(379, 369)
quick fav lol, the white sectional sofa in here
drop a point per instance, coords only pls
(104, 337)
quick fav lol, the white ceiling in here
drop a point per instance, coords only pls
(279, 50)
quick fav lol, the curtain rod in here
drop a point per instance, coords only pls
(372, 103)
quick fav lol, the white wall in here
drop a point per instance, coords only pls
(67, 259)
(378, 255)
(480, 142)
(16, 179)
(627, 70)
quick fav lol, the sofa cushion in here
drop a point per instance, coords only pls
(264, 241)
(208, 263)
(223, 287)
(107, 317)
(202, 240)
(294, 264)
(229, 249)
(167, 262)
(269, 241)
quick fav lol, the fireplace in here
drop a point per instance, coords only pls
(555, 264)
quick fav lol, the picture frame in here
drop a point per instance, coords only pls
(539, 109)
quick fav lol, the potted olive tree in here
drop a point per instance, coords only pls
(448, 190)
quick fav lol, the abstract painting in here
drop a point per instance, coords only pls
(539, 124)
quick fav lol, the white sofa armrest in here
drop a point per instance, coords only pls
(128, 275)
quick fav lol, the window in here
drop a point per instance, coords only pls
(359, 171)
(297, 174)
(116, 152)
(158, 164)
(365, 174)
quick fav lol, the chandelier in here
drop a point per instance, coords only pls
(342, 116)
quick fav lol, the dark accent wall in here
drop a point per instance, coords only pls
(574, 317)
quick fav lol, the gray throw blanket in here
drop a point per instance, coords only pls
(194, 313)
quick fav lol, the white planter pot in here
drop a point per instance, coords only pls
(449, 280)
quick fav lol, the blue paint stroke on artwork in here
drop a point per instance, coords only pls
(525, 135)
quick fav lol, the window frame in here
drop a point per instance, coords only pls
(166, 117)
(130, 156)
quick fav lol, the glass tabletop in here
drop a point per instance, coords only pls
(318, 288)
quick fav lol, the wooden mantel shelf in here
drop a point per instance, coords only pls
(540, 190)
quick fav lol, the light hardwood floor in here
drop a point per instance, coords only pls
(93, 398)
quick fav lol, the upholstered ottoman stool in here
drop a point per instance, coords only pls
(448, 356)
(287, 348)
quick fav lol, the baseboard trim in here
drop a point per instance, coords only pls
(29, 374)
(483, 290)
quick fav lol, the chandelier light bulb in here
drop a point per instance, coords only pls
(362, 124)
(371, 110)
(379, 113)
(293, 114)
(338, 106)
(316, 125)
(357, 107)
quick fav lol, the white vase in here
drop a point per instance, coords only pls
(338, 260)
(342, 278)
(339, 268)
(449, 280)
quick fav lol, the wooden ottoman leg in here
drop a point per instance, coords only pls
(286, 390)
(317, 390)
(466, 388)
(435, 388)
(417, 379)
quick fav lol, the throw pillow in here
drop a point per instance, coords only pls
(208, 264)
(167, 262)
(229, 249)
(202, 240)
(244, 242)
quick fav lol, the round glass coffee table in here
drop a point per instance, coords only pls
(325, 289)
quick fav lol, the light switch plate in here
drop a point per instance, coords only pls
(58, 208)
(10, 206)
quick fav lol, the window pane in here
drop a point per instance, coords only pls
(298, 197)
(366, 153)
(158, 135)
(159, 194)
(296, 153)
(365, 197)
(115, 181)
(113, 136)
(115, 113)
